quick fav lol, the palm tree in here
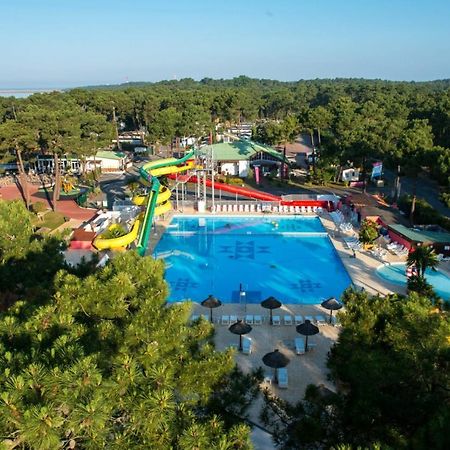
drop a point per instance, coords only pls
(423, 257)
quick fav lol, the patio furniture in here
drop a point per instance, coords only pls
(276, 320)
(257, 320)
(283, 378)
(298, 320)
(299, 346)
(288, 320)
(249, 319)
(225, 320)
(246, 345)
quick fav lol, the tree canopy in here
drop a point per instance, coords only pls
(392, 365)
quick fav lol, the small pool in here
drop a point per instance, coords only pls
(395, 273)
(291, 258)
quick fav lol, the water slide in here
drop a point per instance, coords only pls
(157, 202)
(258, 195)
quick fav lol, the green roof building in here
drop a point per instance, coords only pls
(235, 158)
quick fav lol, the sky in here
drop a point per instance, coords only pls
(66, 43)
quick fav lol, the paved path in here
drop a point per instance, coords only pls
(67, 207)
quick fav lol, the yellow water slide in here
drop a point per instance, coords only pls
(163, 205)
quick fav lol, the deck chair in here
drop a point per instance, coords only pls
(194, 317)
(233, 319)
(283, 378)
(276, 320)
(257, 320)
(320, 320)
(246, 345)
(241, 208)
(292, 209)
(235, 208)
(252, 207)
(288, 320)
(298, 320)
(246, 207)
(303, 209)
(299, 346)
(249, 319)
(225, 320)
(297, 210)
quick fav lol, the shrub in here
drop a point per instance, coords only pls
(38, 207)
(368, 232)
(114, 231)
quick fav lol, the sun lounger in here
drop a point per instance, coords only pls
(276, 320)
(252, 207)
(283, 378)
(246, 207)
(299, 346)
(246, 345)
(258, 208)
(291, 209)
(275, 209)
(314, 208)
(310, 318)
(233, 319)
(288, 320)
(320, 320)
(298, 320)
(257, 320)
(303, 208)
(309, 209)
(297, 210)
(235, 208)
(249, 319)
(194, 317)
(241, 208)
(268, 378)
(225, 320)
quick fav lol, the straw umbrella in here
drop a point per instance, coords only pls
(276, 360)
(240, 327)
(307, 329)
(271, 303)
(332, 304)
(211, 302)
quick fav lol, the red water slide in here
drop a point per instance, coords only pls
(258, 195)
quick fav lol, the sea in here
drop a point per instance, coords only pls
(23, 93)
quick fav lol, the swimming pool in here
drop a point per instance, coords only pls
(291, 258)
(395, 273)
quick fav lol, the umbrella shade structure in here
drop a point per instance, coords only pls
(271, 303)
(332, 304)
(240, 328)
(307, 329)
(276, 360)
(211, 302)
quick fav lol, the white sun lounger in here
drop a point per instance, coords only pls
(225, 320)
(252, 207)
(233, 319)
(241, 208)
(303, 208)
(246, 207)
(298, 320)
(258, 208)
(320, 320)
(257, 320)
(288, 320)
(276, 320)
(283, 378)
(194, 317)
(249, 319)
(299, 346)
(297, 210)
(246, 345)
(292, 209)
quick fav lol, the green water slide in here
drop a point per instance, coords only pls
(148, 217)
(158, 168)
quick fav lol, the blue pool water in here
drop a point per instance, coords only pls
(396, 273)
(290, 258)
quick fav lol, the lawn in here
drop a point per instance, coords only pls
(49, 220)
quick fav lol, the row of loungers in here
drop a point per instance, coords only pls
(261, 208)
(259, 320)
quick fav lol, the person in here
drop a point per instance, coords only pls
(354, 253)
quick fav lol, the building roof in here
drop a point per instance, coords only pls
(107, 154)
(422, 235)
(239, 150)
